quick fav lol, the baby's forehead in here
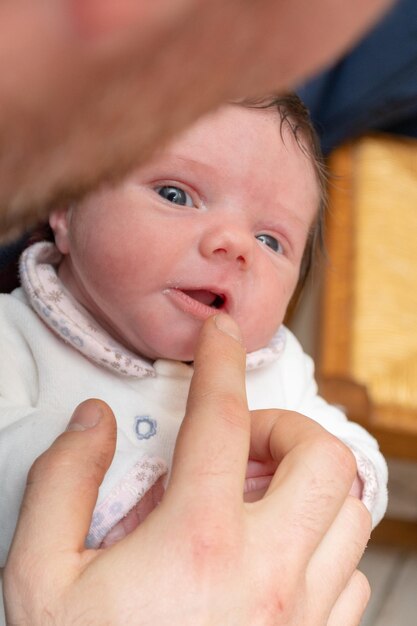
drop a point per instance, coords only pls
(228, 118)
(233, 130)
(240, 144)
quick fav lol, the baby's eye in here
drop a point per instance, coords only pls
(176, 195)
(271, 242)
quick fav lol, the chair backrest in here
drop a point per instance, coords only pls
(368, 323)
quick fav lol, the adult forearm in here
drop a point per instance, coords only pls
(89, 88)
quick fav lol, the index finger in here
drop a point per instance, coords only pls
(213, 445)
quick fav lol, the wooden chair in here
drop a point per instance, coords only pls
(367, 355)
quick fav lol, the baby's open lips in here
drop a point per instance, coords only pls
(207, 297)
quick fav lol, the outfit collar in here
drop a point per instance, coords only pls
(73, 323)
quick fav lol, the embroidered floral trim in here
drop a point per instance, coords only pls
(367, 474)
(70, 320)
(127, 493)
(269, 354)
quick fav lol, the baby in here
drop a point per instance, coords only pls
(225, 218)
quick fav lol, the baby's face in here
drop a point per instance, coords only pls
(218, 220)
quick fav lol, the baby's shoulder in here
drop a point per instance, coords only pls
(16, 315)
(292, 346)
(15, 298)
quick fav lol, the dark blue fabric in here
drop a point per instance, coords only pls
(9, 251)
(372, 88)
(9, 270)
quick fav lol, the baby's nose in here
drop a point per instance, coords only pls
(229, 244)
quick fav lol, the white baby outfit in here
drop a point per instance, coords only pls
(54, 356)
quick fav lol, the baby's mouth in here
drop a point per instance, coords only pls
(209, 298)
(199, 303)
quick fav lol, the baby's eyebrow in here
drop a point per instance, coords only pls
(295, 227)
(167, 164)
(279, 213)
(182, 160)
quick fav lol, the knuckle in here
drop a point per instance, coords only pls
(44, 465)
(232, 415)
(229, 407)
(65, 462)
(338, 455)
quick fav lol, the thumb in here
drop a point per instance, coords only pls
(63, 483)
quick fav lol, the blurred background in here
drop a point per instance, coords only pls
(358, 315)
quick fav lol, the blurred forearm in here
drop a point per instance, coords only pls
(88, 88)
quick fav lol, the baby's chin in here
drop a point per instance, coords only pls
(185, 351)
(172, 351)
(178, 341)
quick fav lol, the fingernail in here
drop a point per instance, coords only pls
(228, 326)
(257, 483)
(114, 535)
(86, 415)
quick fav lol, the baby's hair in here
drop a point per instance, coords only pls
(294, 115)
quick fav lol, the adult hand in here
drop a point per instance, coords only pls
(203, 556)
(89, 88)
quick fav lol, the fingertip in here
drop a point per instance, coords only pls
(227, 325)
(87, 415)
(94, 427)
(219, 346)
(91, 417)
(219, 353)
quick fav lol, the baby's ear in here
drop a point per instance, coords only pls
(58, 221)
